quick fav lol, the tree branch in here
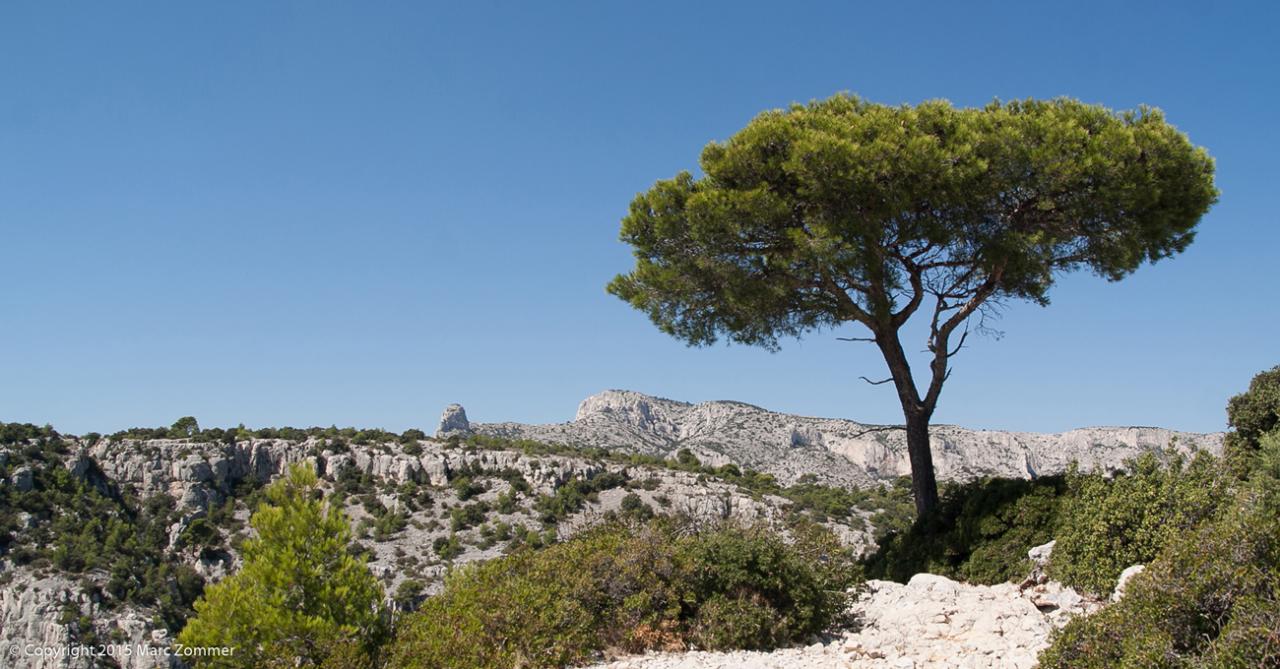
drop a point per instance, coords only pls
(879, 428)
(876, 383)
(851, 308)
(940, 334)
(915, 274)
(963, 336)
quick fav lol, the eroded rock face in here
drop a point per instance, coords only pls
(453, 421)
(47, 620)
(22, 479)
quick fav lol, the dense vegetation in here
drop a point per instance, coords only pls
(981, 534)
(1211, 596)
(631, 586)
(1109, 524)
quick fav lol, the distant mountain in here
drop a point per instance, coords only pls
(832, 450)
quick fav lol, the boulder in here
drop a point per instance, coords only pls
(1040, 554)
(23, 479)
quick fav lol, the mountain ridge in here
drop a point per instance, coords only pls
(834, 450)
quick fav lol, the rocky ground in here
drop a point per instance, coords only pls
(929, 622)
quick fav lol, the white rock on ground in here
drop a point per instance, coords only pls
(931, 622)
(1123, 581)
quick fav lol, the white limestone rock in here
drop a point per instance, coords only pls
(453, 421)
(1123, 582)
(23, 479)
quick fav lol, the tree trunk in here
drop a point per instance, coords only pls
(924, 485)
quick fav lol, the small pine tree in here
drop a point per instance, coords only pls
(300, 595)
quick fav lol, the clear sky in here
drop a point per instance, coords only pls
(320, 213)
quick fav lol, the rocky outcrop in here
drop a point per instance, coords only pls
(453, 421)
(51, 622)
(833, 450)
(22, 479)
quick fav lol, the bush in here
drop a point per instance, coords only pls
(570, 497)
(1252, 414)
(412, 436)
(447, 548)
(982, 534)
(633, 587)
(634, 507)
(1108, 525)
(1210, 599)
(468, 516)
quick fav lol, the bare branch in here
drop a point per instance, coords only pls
(939, 334)
(876, 383)
(963, 336)
(870, 339)
(878, 428)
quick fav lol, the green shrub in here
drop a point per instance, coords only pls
(631, 587)
(1252, 414)
(412, 436)
(467, 516)
(507, 502)
(571, 496)
(467, 488)
(447, 547)
(634, 507)
(982, 534)
(1108, 525)
(1210, 599)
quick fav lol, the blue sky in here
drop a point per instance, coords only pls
(322, 213)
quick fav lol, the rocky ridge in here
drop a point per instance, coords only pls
(833, 450)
